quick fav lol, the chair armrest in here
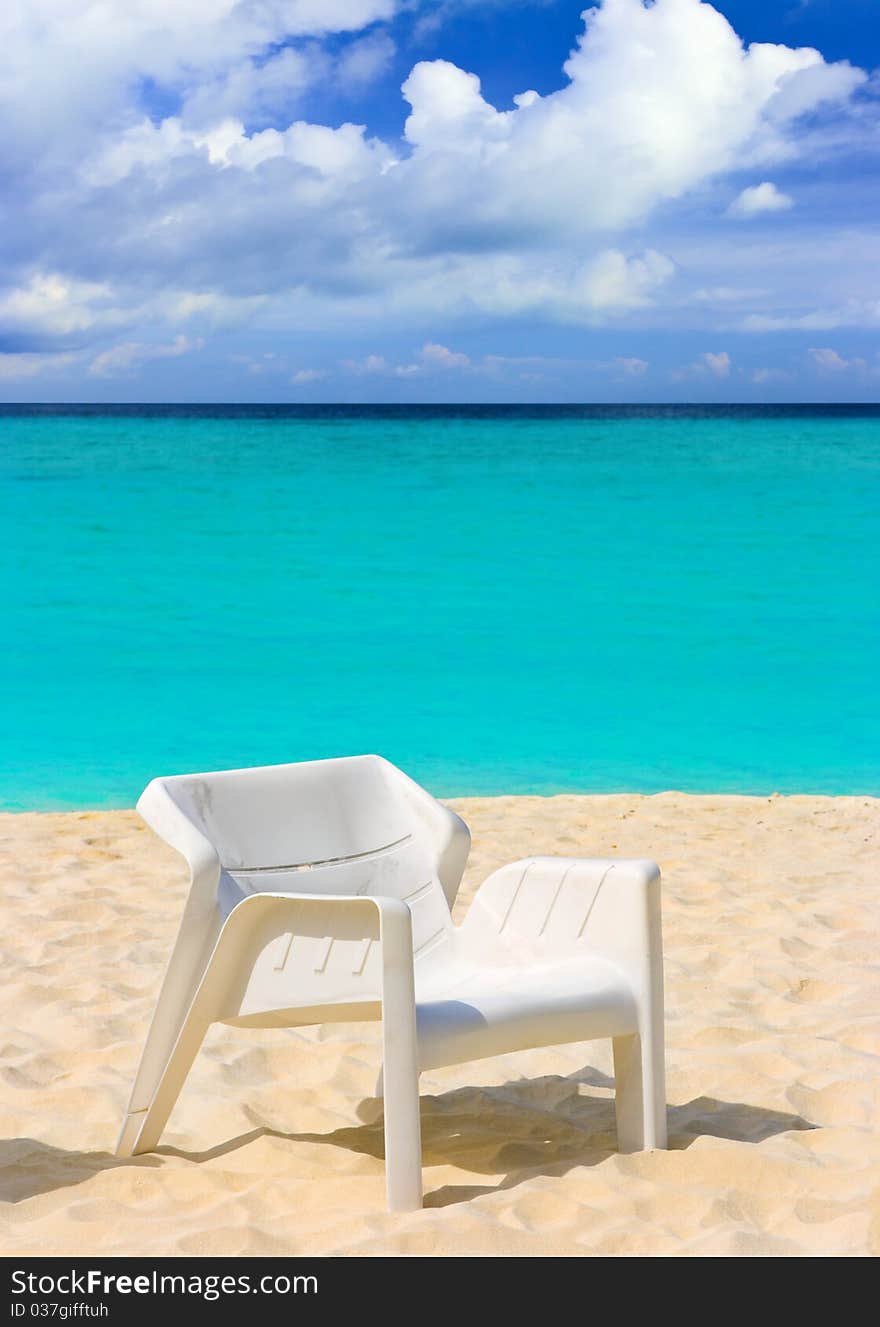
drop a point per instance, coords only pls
(254, 925)
(555, 906)
(381, 918)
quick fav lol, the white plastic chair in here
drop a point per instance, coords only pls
(321, 892)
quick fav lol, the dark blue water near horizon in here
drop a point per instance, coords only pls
(329, 410)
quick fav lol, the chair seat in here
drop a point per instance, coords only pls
(471, 1011)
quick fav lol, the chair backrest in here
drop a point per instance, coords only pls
(355, 825)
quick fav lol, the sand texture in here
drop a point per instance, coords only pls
(771, 911)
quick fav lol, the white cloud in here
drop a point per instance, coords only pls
(129, 355)
(436, 356)
(256, 90)
(614, 281)
(717, 363)
(817, 321)
(311, 150)
(210, 307)
(70, 70)
(318, 16)
(371, 364)
(365, 60)
(260, 365)
(15, 366)
(232, 208)
(765, 375)
(557, 287)
(857, 313)
(709, 364)
(526, 368)
(588, 156)
(304, 376)
(52, 307)
(430, 359)
(760, 198)
(49, 303)
(830, 361)
(726, 294)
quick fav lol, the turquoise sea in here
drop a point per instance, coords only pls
(498, 599)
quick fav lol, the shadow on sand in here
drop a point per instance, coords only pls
(539, 1126)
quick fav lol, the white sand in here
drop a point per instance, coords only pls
(771, 910)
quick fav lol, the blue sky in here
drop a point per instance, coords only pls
(429, 200)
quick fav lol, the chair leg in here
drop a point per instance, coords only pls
(639, 1092)
(403, 1137)
(141, 1130)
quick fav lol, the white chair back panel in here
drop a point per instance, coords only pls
(405, 872)
(295, 815)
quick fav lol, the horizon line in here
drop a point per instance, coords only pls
(451, 405)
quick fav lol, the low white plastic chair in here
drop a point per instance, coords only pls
(321, 892)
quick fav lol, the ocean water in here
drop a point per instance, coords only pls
(497, 599)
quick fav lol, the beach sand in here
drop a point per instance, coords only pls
(771, 922)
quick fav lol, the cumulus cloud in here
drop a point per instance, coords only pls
(588, 157)
(437, 356)
(233, 197)
(615, 281)
(632, 366)
(760, 198)
(304, 376)
(709, 364)
(717, 363)
(72, 70)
